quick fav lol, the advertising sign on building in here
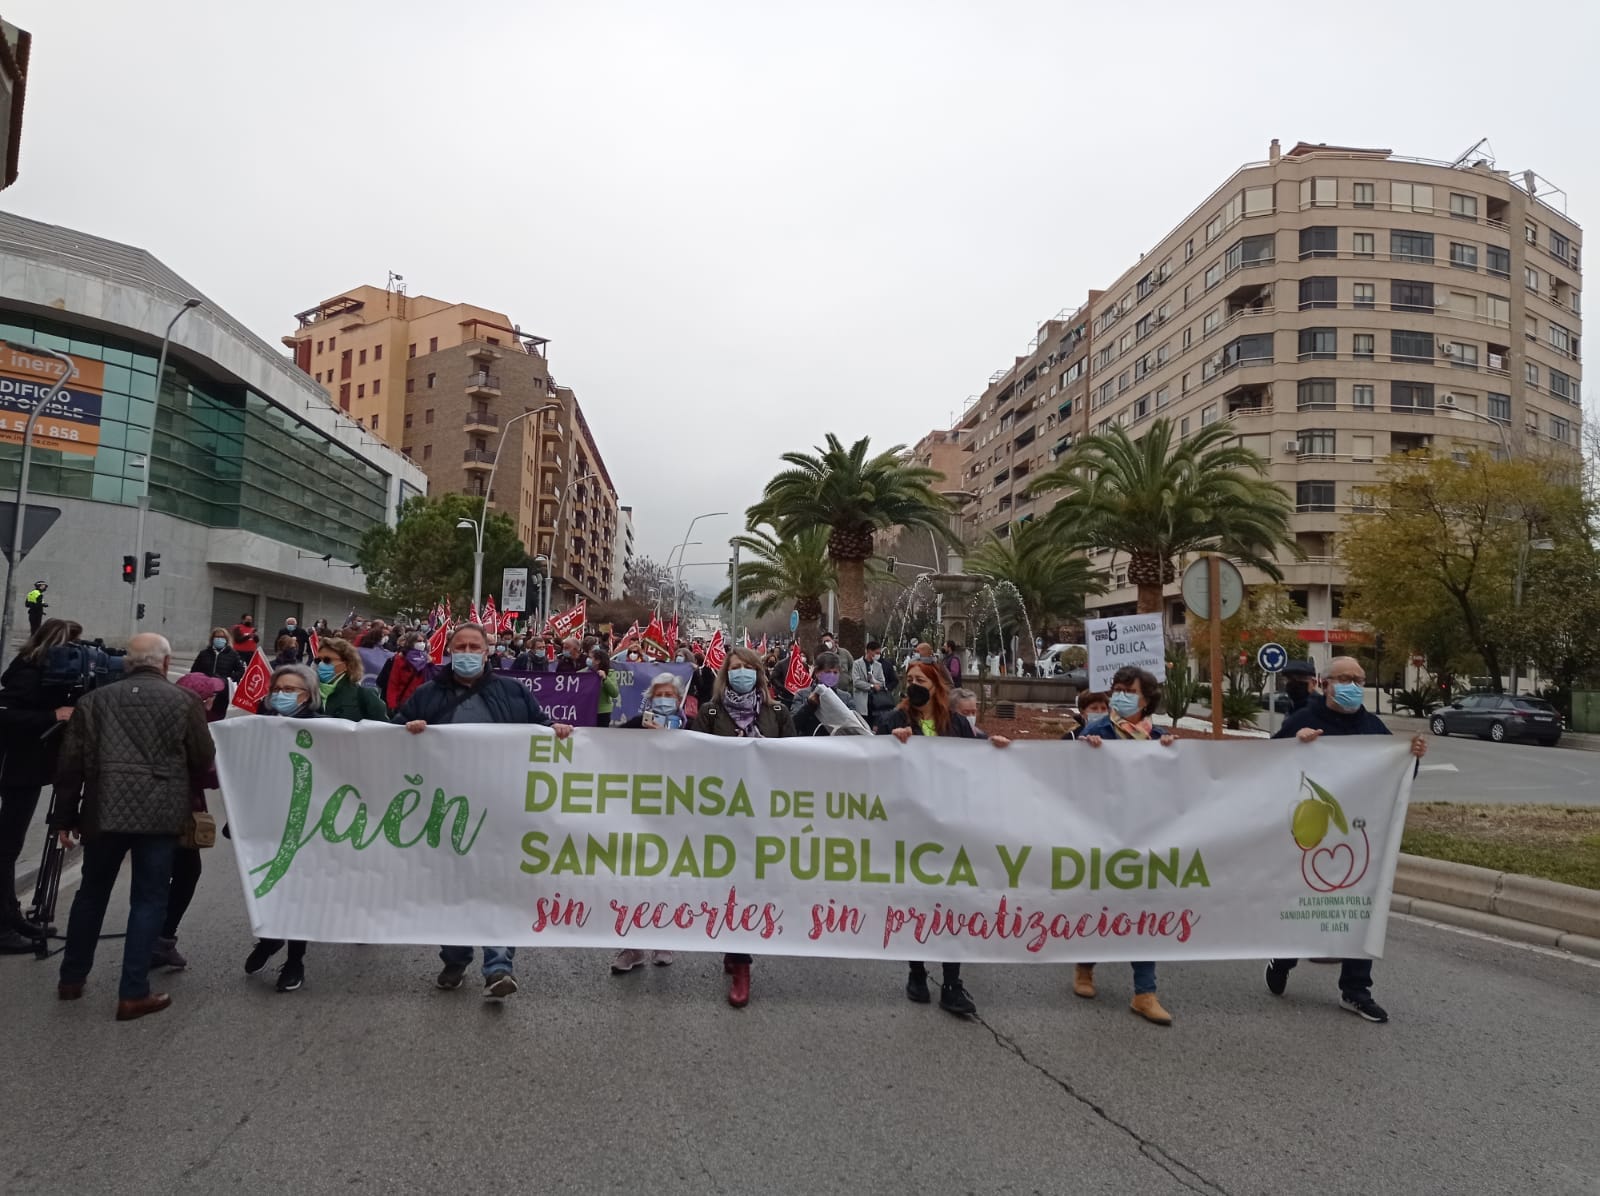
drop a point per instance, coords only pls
(71, 424)
(514, 590)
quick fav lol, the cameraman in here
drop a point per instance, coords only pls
(33, 704)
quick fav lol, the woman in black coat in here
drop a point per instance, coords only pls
(218, 659)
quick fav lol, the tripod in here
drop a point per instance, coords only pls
(48, 887)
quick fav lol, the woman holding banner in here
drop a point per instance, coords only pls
(741, 708)
(925, 710)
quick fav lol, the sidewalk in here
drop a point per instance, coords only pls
(1405, 724)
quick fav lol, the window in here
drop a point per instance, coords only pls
(1123, 381)
(1317, 343)
(1408, 246)
(408, 419)
(1410, 197)
(361, 390)
(1251, 251)
(1361, 394)
(1500, 408)
(1183, 427)
(1366, 294)
(1530, 233)
(1365, 195)
(1497, 261)
(1530, 327)
(1141, 407)
(1319, 193)
(1560, 385)
(1318, 292)
(1188, 293)
(1461, 303)
(431, 379)
(427, 416)
(344, 396)
(1317, 442)
(1315, 393)
(1530, 278)
(1188, 249)
(1559, 246)
(331, 341)
(1530, 374)
(1208, 416)
(377, 352)
(1411, 346)
(1313, 496)
(1257, 201)
(1361, 448)
(1410, 296)
(427, 452)
(1462, 355)
(1562, 340)
(1247, 349)
(411, 350)
(363, 357)
(1183, 385)
(319, 346)
(1462, 256)
(1162, 395)
(1188, 337)
(1127, 341)
(1213, 274)
(1319, 241)
(374, 421)
(1498, 310)
(1560, 429)
(377, 385)
(1211, 322)
(1411, 396)
(433, 344)
(1214, 229)
(1365, 344)
(1364, 244)
(1463, 207)
(411, 386)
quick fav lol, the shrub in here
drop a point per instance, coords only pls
(1181, 689)
(1240, 708)
(1421, 702)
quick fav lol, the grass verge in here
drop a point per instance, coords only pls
(1560, 843)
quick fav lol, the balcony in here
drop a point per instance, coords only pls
(481, 421)
(483, 353)
(483, 385)
(1249, 399)
(475, 458)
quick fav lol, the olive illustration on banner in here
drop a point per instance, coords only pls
(1312, 815)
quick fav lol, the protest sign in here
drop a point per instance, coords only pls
(566, 697)
(1124, 640)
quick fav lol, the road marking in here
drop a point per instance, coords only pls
(1550, 952)
(1438, 768)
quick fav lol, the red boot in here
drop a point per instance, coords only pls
(739, 985)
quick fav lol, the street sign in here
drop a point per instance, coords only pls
(1272, 658)
(794, 621)
(514, 591)
(1195, 589)
(35, 523)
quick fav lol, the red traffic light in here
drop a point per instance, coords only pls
(130, 569)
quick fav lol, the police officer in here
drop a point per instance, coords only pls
(36, 605)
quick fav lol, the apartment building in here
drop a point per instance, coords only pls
(1336, 305)
(622, 554)
(445, 383)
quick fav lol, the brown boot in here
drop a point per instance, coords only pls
(1083, 980)
(1147, 1007)
(154, 1003)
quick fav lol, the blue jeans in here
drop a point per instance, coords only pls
(1144, 977)
(147, 908)
(497, 961)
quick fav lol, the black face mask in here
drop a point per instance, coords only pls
(918, 695)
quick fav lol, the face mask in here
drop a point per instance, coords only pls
(466, 664)
(664, 707)
(283, 703)
(218, 644)
(828, 644)
(290, 624)
(1347, 695)
(325, 672)
(830, 679)
(741, 681)
(918, 695)
(1125, 704)
(416, 657)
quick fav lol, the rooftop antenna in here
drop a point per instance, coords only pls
(1487, 157)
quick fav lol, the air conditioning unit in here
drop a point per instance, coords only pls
(1291, 446)
(1447, 349)
(1447, 399)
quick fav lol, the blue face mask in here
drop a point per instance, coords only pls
(466, 664)
(1347, 695)
(218, 644)
(283, 703)
(664, 707)
(1125, 704)
(741, 681)
(325, 672)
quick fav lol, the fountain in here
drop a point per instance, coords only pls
(902, 608)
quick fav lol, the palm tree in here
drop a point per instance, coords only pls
(1052, 581)
(779, 571)
(853, 496)
(1159, 496)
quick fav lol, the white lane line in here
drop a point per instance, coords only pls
(1438, 768)
(1550, 952)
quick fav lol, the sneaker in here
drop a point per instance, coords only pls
(291, 976)
(628, 959)
(451, 976)
(917, 988)
(166, 956)
(1363, 1005)
(499, 987)
(259, 954)
(954, 998)
(1277, 977)
(662, 959)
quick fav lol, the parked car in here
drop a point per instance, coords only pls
(1499, 717)
(1052, 662)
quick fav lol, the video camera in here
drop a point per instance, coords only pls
(79, 667)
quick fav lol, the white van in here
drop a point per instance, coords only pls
(1051, 663)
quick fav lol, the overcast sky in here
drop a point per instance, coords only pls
(743, 224)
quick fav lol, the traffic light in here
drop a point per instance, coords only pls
(140, 614)
(152, 563)
(130, 568)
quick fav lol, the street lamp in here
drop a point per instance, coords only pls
(677, 579)
(144, 490)
(488, 488)
(1542, 545)
(544, 588)
(22, 491)
(1499, 426)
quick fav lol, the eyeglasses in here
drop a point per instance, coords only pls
(289, 689)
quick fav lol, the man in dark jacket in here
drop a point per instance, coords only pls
(132, 752)
(571, 658)
(471, 692)
(301, 637)
(1338, 711)
(534, 659)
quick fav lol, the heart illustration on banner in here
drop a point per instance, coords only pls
(1327, 861)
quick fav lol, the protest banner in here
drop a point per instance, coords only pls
(634, 679)
(1123, 640)
(566, 697)
(853, 846)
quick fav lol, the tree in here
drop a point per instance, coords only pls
(1557, 627)
(854, 496)
(787, 571)
(1158, 497)
(647, 582)
(1051, 582)
(1267, 615)
(426, 557)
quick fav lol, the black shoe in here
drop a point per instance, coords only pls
(917, 988)
(259, 954)
(452, 976)
(291, 976)
(27, 929)
(12, 943)
(1277, 977)
(954, 998)
(1363, 1005)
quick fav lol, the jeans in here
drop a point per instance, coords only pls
(497, 961)
(1144, 977)
(185, 876)
(1355, 975)
(151, 883)
(17, 804)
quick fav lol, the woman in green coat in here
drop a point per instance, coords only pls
(339, 676)
(610, 690)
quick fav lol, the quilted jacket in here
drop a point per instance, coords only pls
(133, 751)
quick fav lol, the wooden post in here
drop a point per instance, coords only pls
(1214, 588)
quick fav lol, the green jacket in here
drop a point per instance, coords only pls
(354, 703)
(610, 691)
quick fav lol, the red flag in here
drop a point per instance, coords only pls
(315, 643)
(655, 638)
(491, 616)
(715, 652)
(508, 622)
(746, 637)
(763, 645)
(570, 622)
(472, 613)
(629, 640)
(798, 677)
(253, 686)
(672, 636)
(437, 643)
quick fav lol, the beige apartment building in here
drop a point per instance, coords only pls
(1336, 305)
(442, 382)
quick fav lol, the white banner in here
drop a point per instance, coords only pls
(1123, 640)
(514, 590)
(852, 846)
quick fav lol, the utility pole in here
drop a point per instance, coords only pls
(15, 562)
(733, 605)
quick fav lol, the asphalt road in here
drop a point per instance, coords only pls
(830, 1082)
(1464, 769)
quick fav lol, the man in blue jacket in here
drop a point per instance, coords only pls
(471, 692)
(1339, 712)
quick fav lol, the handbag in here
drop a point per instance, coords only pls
(199, 830)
